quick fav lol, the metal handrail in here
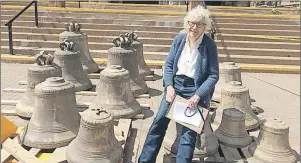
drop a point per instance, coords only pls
(212, 30)
(9, 24)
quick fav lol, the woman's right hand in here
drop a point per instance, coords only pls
(170, 94)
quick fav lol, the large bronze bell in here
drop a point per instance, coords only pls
(95, 142)
(126, 57)
(235, 95)
(73, 33)
(37, 73)
(228, 71)
(206, 145)
(144, 70)
(232, 130)
(55, 119)
(72, 70)
(272, 144)
(114, 93)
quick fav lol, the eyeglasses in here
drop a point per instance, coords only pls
(198, 25)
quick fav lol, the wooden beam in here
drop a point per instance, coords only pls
(19, 152)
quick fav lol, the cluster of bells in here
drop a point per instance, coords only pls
(235, 118)
(50, 100)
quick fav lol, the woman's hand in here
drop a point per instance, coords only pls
(193, 101)
(170, 94)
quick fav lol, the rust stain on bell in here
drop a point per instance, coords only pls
(114, 93)
(55, 119)
(72, 70)
(125, 56)
(73, 33)
(37, 73)
(232, 130)
(95, 141)
(272, 144)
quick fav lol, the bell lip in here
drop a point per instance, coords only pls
(25, 111)
(247, 138)
(253, 147)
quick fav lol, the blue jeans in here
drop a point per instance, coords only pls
(184, 87)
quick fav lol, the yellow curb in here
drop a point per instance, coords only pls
(161, 63)
(252, 8)
(264, 37)
(148, 12)
(129, 5)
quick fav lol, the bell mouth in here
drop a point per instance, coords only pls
(55, 80)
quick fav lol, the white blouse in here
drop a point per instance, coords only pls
(187, 61)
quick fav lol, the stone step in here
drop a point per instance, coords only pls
(141, 33)
(223, 39)
(100, 15)
(161, 48)
(96, 5)
(161, 56)
(157, 18)
(144, 25)
(163, 41)
(121, 21)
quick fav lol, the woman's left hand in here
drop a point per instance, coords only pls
(193, 101)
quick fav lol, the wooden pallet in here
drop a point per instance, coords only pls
(13, 152)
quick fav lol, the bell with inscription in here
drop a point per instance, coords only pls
(125, 56)
(235, 95)
(95, 141)
(232, 130)
(206, 144)
(114, 93)
(72, 71)
(228, 71)
(144, 70)
(55, 119)
(272, 144)
(37, 73)
(74, 34)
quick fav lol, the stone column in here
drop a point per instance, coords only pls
(193, 4)
(56, 3)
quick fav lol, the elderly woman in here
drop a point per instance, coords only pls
(191, 71)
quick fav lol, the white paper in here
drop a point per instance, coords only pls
(179, 115)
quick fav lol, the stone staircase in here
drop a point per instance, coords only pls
(250, 36)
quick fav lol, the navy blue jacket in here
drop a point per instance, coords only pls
(207, 67)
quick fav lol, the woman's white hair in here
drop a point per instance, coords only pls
(198, 14)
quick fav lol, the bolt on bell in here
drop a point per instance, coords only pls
(95, 141)
(126, 57)
(73, 33)
(114, 93)
(235, 95)
(72, 69)
(228, 71)
(36, 73)
(55, 119)
(272, 144)
(232, 130)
